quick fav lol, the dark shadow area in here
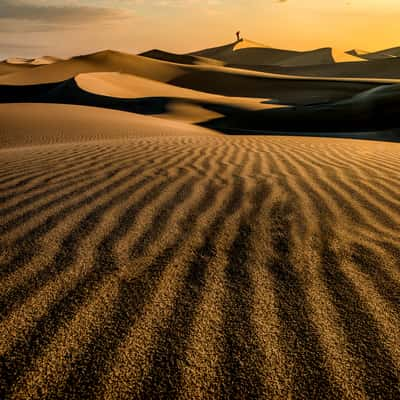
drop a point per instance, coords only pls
(335, 120)
(68, 92)
(171, 57)
(286, 90)
(381, 69)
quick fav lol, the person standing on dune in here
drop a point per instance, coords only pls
(238, 36)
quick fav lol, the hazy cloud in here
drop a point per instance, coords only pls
(44, 12)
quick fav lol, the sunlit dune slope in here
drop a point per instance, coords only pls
(27, 124)
(105, 61)
(33, 61)
(127, 86)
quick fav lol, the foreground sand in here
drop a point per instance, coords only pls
(199, 267)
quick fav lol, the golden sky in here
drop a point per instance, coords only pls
(65, 28)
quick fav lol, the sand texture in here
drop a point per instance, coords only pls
(160, 240)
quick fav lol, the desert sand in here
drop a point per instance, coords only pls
(393, 52)
(179, 226)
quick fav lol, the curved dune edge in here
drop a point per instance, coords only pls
(342, 56)
(200, 267)
(246, 52)
(179, 58)
(246, 44)
(44, 60)
(103, 61)
(117, 85)
(26, 124)
(393, 52)
(154, 69)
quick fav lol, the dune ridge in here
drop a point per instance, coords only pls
(247, 52)
(393, 52)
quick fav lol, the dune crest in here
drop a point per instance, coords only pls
(251, 53)
(393, 52)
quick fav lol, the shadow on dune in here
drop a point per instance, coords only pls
(284, 90)
(347, 111)
(250, 53)
(387, 69)
(290, 91)
(68, 92)
(359, 116)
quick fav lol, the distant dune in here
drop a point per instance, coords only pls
(214, 79)
(393, 52)
(9, 68)
(386, 69)
(180, 58)
(104, 61)
(170, 230)
(249, 53)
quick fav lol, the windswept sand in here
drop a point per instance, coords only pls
(59, 123)
(146, 257)
(199, 267)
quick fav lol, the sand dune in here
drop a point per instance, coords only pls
(386, 69)
(9, 68)
(104, 61)
(144, 254)
(45, 60)
(17, 60)
(230, 82)
(33, 61)
(178, 103)
(226, 99)
(209, 78)
(179, 58)
(372, 111)
(58, 123)
(341, 56)
(377, 55)
(128, 86)
(250, 53)
(258, 267)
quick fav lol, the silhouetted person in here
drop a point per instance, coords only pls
(238, 36)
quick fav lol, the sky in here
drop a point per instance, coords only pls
(30, 28)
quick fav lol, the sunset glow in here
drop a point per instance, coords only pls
(31, 28)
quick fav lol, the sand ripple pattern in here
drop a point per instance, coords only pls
(200, 268)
